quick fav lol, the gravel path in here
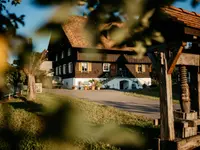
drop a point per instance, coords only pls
(140, 106)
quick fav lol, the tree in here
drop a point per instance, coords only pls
(31, 67)
(9, 23)
(14, 76)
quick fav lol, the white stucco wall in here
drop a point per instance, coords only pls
(113, 83)
(146, 81)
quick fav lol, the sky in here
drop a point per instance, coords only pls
(37, 16)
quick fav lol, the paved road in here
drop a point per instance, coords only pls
(140, 106)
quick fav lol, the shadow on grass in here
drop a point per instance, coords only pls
(28, 106)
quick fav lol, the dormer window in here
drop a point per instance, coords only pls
(63, 54)
(140, 68)
(69, 52)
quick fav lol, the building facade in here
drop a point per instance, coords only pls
(76, 62)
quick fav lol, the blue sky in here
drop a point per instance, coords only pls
(37, 16)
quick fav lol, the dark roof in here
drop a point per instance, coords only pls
(190, 19)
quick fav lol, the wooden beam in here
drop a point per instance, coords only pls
(166, 104)
(183, 144)
(191, 31)
(174, 59)
(189, 59)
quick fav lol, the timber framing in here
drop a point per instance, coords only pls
(174, 59)
(191, 31)
(189, 60)
(182, 144)
(178, 133)
(166, 104)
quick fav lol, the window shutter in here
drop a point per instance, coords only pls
(136, 68)
(143, 68)
(89, 67)
(150, 68)
(79, 67)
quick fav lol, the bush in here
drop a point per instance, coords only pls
(30, 143)
(144, 86)
(154, 83)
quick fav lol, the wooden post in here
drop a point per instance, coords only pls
(193, 87)
(198, 78)
(166, 104)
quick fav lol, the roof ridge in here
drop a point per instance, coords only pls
(183, 10)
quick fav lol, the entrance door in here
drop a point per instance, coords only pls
(124, 85)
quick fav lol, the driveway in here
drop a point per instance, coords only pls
(140, 106)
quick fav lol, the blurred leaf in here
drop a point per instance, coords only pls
(3, 1)
(3, 53)
(194, 3)
(145, 20)
(58, 16)
(52, 2)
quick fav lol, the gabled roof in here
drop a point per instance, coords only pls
(78, 36)
(190, 19)
(75, 30)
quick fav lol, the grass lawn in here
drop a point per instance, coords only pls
(60, 122)
(152, 93)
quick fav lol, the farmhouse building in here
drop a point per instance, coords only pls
(77, 61)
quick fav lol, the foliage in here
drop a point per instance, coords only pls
(140, 20)
(9, 22)
(33, 62)
(92, 81)
(14, 75)
(98, 84)
(31, 68)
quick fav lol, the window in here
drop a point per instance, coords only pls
(60, 67)
(139, 69)
(69, 52)
(63, 54)
(70, 67)
(56, 57)
(56, 70)
(64, 69)
(84, 67)
(106, 67)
